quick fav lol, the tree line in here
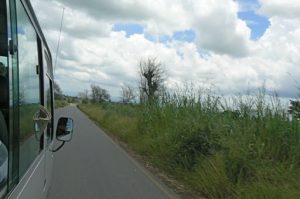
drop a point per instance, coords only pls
(150, 86)
(98, 95)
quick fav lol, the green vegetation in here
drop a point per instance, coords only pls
(65, 101)
(26, 125)
(60, 99)
(294, 108)
(248, 149)
(60, 103)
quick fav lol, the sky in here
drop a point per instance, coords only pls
(230, 45)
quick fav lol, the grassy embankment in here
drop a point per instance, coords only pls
(251, 154)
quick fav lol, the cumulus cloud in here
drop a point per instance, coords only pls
(217, 25)
(279, 8)
(116, 63)
(76, 23)
(219, 29)
(92, 53)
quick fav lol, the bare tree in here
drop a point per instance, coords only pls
(127, 94)
(99, 94)
(84, 96)
(151, 79)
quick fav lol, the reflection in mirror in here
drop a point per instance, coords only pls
(64, 129)
(37, 128)
(37, 131)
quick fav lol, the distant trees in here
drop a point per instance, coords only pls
(151, 79)
(84, 96)
(95, 95)
(150, 85)
(99, 94)
(128, 94)
(294, 108)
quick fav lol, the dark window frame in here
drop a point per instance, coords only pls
(48, 77)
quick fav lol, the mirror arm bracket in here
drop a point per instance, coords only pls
(57, 149)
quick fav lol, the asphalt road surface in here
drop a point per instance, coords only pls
(93, 166)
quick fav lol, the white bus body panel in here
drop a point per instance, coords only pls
(34, 184)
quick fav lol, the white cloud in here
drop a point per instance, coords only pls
(280, 8)
(75, 23)
(219, 29)
(217, 25)
(92, 53)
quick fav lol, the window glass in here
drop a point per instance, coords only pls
(3, 127)
(29, 90)
(48, 90)
(3, 100)
(3, 29)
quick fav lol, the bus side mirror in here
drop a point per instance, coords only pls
(64, 130)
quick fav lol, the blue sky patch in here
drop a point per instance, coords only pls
(129, 28)
(187, 35)
(247, 5)
(164, 38)
(150, 37)
(258, 24)
(133, 28)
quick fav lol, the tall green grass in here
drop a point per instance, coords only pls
(242, 147)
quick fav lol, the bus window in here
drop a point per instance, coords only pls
(48, 89)
(3, 134)
(3, 100)
(29, 89)
(3, 30)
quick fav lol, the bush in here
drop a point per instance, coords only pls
(194, 146)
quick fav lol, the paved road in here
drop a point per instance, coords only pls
(93, 166)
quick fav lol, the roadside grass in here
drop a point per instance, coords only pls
(248, 149)
(60, 103)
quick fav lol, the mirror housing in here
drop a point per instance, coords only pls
(64, 130)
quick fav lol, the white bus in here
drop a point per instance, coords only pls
(26, 105)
